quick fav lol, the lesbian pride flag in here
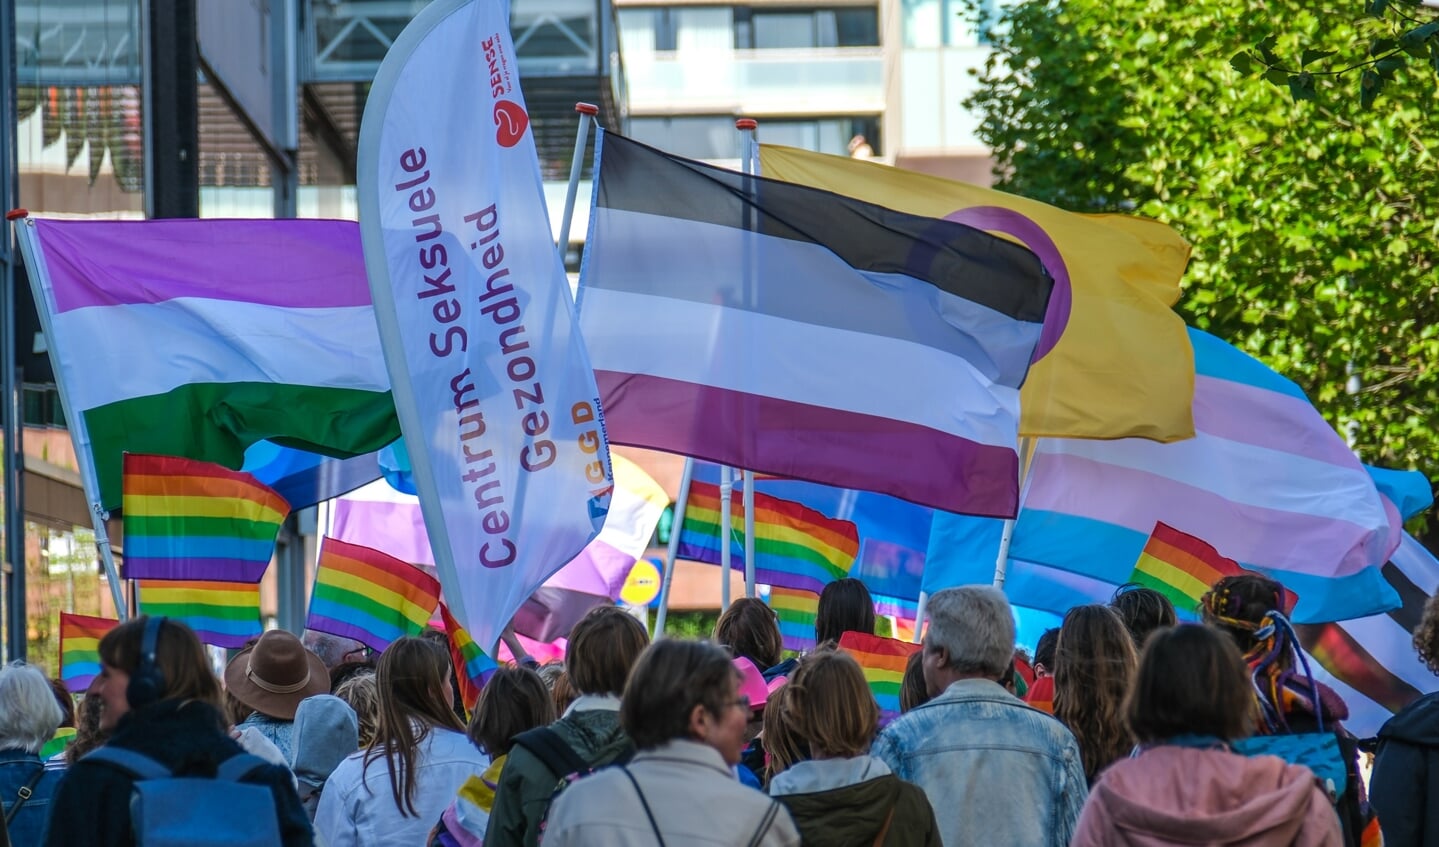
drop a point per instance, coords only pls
(186, 519)
(80, 649)
(369, 596)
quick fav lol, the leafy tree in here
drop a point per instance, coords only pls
(1315, 224)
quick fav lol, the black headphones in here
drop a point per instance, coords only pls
(147, 683)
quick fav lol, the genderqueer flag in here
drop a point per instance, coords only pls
(1116, 364)
(198, 338)
(806, 334)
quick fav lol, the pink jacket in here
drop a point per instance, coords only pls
(1182, 795)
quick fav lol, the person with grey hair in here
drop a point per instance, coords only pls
(29, 716)
(333, 650)
(997, 771)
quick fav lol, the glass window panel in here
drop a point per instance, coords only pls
(705, 137)
(637, 31)
(779, 30)
(922, 22)
(704, 28)
(857, 27)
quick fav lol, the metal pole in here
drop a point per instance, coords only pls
(1001, 563)
(726, 532)
(582, 137)
(919, 615)
(749, 563)
(681, 500)
(747, 127)
(11, 457)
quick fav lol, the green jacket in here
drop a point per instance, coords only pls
(526, 784)
(852, 816)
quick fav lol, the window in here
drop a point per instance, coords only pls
(781, 29)
(695, 137)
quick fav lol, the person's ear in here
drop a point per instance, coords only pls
(699, 722)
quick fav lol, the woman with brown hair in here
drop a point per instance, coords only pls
(842, 796)
(1094, 663)
(1190, 700)
(160, 699)
(749, 628)
(392, 792)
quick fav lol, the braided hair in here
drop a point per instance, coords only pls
(1250, 607)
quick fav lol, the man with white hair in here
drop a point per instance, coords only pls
(997, 771)
(29, 716)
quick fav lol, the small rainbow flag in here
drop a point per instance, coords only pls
(883, 661)
(194, 520)
(64, 737)
(473, 666)
(796, 610)
(1181, 567)
(370, 596)
(795, 546)
(1041, 694)
(222, 613)
(80, 649)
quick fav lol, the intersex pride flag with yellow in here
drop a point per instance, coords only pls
(369, 596)
(192, 520)
(883, 661)
(1114, 359)
(80, 648)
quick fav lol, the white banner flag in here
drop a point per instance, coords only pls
(494, 389)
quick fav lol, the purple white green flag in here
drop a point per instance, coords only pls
(198, 338)
(492, 383)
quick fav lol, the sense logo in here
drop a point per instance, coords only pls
(511, 121)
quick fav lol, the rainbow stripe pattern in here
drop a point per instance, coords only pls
(186, 519)
(222, 613)
(64, 737)
(1180, 566)
(370, 596)
(473, 667)
(883, 661)
(1346, 658)
(80, 649)
(796, 610)
(795, 546)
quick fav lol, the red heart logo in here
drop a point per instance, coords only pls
(512, 121)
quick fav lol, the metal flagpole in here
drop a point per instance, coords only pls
(1001, 563)
(747, 127)
(726, 532)
(681, 500)
(919, 615)
(79, 433)
(582, 136)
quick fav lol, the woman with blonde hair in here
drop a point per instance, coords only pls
(392, 792)
(1094, 664)
(782, 744)
(842, 796)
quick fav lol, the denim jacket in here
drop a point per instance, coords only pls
(16, 770)
(997, 772)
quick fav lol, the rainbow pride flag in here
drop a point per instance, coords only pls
(192, 520)
(883, 661)
(80, 649)
(64, 737)
(222, 613)
(796, 610)
(1346, 658)
(795, 546)
(1180, 566)
(473, 667)
(367, 595)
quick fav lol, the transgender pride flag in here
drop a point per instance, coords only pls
(198, 338)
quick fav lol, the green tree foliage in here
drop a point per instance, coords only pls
(1315, 223)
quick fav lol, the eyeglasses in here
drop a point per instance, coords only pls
(742, 701)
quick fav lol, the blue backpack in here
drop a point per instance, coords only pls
(182, 811)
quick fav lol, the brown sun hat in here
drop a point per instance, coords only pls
(275, 674)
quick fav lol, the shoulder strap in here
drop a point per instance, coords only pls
(138, 765)
(25, 792)
(239, 766)
(643, 802)
(765, 823)
(884, 830)
(553, 751)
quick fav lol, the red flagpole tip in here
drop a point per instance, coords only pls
(746, 123)
(17, 214)
(587, 109)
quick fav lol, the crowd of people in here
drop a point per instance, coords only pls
(1125, 727)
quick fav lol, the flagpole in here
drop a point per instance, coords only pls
(1001, 563)
(748, 127)
(39, 274)
(919, 615)
(582, 136)
(726, 532)
(676, 524)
